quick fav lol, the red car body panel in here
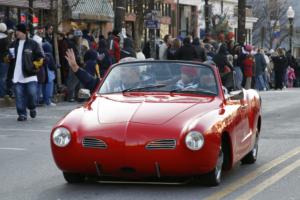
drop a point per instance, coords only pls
(127, 123)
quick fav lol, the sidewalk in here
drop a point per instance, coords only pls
(9, 102)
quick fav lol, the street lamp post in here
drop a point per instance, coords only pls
(291, 15)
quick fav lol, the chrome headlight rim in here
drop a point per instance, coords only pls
(61, 136)
(196, 137)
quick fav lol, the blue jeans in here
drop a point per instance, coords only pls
(3, 73)
(47, 89)
(260, 82)
(238, 77)
(26, 95)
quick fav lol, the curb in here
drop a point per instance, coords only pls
(9, 102)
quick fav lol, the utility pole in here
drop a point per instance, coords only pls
(30, 17)
(206, 13)
(241, 21)
(120, 9)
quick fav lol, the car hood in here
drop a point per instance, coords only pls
(155, 110)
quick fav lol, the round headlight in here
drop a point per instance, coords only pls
(194, 140)
(61, 137)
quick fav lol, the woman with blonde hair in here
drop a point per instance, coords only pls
(172, 51)
(280, 66)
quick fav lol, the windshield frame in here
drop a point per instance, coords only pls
(194, 63)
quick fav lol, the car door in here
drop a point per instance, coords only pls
(245, 131)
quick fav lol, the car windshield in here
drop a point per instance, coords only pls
(173, 77)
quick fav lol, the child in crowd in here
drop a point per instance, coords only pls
(291, 76)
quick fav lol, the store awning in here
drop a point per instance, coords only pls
(42, 4)
(97, 10)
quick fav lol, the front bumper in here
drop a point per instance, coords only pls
(135, 161)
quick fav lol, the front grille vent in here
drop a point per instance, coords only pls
(94, 143)
(161, 144)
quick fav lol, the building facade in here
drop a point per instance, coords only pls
(16, 11)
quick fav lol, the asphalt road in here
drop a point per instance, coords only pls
(27, 170)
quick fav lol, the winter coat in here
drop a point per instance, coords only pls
(291, 74)
(49, 63)
(4, 43)
(260, 64)
(248, 67)
(106, 60)
(201, 54)
(171, 53)
(280, 63)
(221, 59)
(186, 52)
(91, 65)
(114, 49)
(127, 50)
(31, 52)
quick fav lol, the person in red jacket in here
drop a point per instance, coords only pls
(248, 70)
(114, 46)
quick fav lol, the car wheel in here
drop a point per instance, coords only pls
(213, 178)
(73, 177)
(251, 157)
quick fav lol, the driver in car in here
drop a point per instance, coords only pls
(188, 76)
(129, 77)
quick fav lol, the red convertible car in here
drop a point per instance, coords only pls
(158, 119)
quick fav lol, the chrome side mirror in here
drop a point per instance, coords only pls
(237, 95)
(84, 94)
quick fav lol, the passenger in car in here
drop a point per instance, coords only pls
(188, 76)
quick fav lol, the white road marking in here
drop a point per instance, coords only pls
(13, 149)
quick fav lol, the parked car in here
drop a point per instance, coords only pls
(158, 119)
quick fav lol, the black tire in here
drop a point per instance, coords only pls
(213, 178)
(251, 157)
(73, 178)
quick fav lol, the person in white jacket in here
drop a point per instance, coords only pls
(164, 47)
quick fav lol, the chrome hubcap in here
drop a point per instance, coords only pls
(255, 149)
(219, 166)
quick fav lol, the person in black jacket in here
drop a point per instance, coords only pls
(4, 43)
(127, 50)
(221, 59)
(104, 60)
(201, 54)
(88, 81)
(50, 67)
(224, 66)
(27, 58)
(187, 51)
(280, 66)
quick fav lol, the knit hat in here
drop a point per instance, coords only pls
(190, 71)
(22, 28)
(77, 33)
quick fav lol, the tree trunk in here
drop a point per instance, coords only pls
(241, 21)
(139, 24)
